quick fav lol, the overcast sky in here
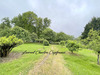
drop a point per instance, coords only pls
(69, 16)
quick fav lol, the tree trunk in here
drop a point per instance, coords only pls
(0, 53)
(98, 59)
(72, 52)
(5, 53)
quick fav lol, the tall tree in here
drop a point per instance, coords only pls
(94, 23)
(41, 25)
(30, 21)
(46, 22)
(5, 23)
(27, 21)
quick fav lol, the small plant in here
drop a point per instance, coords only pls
(62, 43)
(45, 43)
(72, 46)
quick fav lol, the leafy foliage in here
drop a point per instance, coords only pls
(72, 46)
(30, 21)
(6, 44)
(46, 43)
(5, 32)
(94, 23)
(63, 37)
(33, 36)
(41, 25)
(27, 21)
(5, 23)
(21, 34)
(93, 41)
(62, 43)
(49, 35)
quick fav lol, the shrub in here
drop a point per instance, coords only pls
(45, 43)
(6, 44)
(72, 46)
(62, 43)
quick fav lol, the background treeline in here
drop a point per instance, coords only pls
(30, 28)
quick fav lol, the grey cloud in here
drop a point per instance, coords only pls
(69, 16)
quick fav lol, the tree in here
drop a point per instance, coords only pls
(41, 25)
(94, 42)
(6, 44)
(62, 43)
(46, 23)
(27, 21)
(94, 23)
(5, 32)
(72, 45)
(61, 36)
(49, 34)
(33, 36)
(5, 23)
(30, 21)
(21, 34)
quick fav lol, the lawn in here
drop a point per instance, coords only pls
(83, 62)
(23, 64)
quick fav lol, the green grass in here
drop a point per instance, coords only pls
(29, 47)
(24, 63)
(83, 62)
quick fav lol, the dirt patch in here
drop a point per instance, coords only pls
(38, 64)
(10, 57)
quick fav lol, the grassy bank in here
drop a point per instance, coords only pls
(83, 62)
(23, 64)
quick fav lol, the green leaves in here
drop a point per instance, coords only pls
(6, 44)
(10, 41)
(31, 22)
(45, 43)
(49, 35)
(93, 40)
(21, 34)
(94, 23)
(62, 43)
(3, 41)
(61, 36)
(72, 45)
